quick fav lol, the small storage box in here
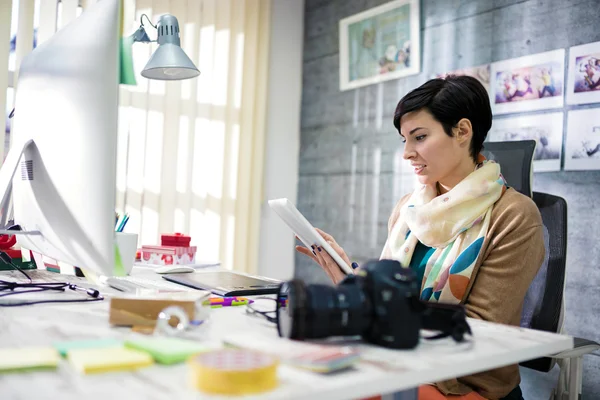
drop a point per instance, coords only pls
(168, 255)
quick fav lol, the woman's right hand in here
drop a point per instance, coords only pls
(321, 257)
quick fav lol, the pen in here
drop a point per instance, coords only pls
(121, 226)
(216, 302)
(125, 220)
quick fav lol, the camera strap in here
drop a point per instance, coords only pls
(447, 319)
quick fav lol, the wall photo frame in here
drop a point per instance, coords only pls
(533, 82)
(380, 44)
(584, 74)
(545, 129)
(582, 151)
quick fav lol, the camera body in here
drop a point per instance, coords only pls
(396, 309)
(380, 303)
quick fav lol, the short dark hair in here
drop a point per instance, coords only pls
(449, 100)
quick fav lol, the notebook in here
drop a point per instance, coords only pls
(28, 359)
(169, 350)
(319, 358)
(89, 361)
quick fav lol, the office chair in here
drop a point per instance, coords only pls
(515, 159)
(544, 302)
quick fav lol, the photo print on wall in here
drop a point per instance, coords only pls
(480, 72)
(528, 83)
(584, 74)
(380, 44)
(545, 129)
(582, 151)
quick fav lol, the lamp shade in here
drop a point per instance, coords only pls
(169, 61)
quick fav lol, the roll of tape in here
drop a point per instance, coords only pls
(164, 317)
(233, 371)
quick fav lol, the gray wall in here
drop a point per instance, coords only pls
(349, 175)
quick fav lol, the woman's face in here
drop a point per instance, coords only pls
(434, 156)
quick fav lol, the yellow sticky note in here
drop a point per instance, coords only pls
(29, 358)
(89, 361)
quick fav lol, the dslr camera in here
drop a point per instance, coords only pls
(380, 303)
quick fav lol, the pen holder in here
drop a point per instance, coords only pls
(127, 245)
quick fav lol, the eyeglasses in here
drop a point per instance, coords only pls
(17, 288)
(263, 307)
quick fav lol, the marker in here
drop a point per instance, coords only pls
(216, 302)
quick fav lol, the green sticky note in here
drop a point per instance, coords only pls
(168, 350)
(28, 359)
(64, 347)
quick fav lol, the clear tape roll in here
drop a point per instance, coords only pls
(233, 372)
(162, 322)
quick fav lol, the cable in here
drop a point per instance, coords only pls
(28, 303)
(150, 22)
(33, 287)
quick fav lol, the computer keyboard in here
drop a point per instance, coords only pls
(131, 284)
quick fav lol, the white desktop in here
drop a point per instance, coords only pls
(64, 143)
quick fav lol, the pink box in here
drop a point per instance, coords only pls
(168, 255)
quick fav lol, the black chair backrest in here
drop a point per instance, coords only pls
(544, 299)
(515, 159)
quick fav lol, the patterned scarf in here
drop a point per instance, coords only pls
(455, 224)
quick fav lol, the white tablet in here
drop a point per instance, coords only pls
(304, 230)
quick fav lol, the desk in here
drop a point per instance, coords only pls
(385, 371)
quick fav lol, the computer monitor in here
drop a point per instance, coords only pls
(65, 142)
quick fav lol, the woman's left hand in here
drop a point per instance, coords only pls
(331, 268)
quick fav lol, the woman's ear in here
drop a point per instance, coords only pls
(464, 131)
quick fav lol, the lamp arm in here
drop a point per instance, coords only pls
(150, 22)
(140, 35)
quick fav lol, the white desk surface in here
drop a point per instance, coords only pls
(384, 371)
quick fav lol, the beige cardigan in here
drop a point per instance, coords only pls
(512, 253)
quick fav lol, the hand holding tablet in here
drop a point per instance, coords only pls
(308, 235)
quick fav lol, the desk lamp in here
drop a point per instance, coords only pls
(169, 61)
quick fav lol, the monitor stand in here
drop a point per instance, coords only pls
(7, 172)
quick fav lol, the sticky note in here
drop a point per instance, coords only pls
(29, 358)
(166, 350)
(107, 359)
(64, 347)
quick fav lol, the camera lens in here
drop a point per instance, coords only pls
(319, 311)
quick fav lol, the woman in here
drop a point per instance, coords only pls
(469, 237)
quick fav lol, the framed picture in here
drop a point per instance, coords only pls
(545, 129)
(584, 74)
(380, 44)
(480, 72)
(528, 83)
(582, 151)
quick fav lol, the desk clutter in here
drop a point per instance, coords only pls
(231, 365)
(144, 310)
